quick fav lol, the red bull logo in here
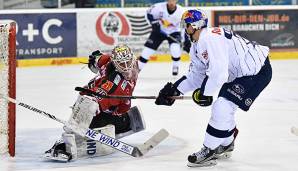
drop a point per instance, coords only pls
(187, 14)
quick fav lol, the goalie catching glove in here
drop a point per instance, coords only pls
(165, 93)
(200, 99)
(92, 62)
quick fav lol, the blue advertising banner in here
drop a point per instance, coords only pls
(218, 3)
(44, 35)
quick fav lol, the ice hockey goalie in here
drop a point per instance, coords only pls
(116, 74)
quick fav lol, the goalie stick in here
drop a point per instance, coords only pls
(294, 131)
(90, 92)
(123, 147)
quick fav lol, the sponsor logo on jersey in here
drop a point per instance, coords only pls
(124, 84)
(107, 85)
(238, 88)
(205, 55)
(117, 79)
(248, 101)
(166, 23)
(102, 92)
(234, 93)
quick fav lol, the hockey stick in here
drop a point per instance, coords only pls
(294, 131)
(171, 37)
(102, 138)
(90, 92)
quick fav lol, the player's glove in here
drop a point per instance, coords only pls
(163, 97)
(200, 99)
(93, 60)
(155, 26)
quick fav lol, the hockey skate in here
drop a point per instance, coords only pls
(175, 70)
(58, 152)
(225, 152)
(203, 158)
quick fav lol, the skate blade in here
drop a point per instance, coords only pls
(224, 156)
(61, 158)
(205, 164)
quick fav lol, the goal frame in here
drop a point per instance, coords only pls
(11, 107)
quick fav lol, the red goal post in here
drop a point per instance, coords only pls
(7, 87)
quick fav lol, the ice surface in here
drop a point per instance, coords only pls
(264, 141)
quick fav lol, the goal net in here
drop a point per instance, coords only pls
(7, 87)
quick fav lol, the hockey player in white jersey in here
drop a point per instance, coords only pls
(165, 19)
(223, 63)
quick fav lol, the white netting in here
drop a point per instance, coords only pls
(4, 51)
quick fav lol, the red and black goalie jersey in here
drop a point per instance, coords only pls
(111, 82)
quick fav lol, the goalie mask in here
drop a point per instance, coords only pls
(124, 60)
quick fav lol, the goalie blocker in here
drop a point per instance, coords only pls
(85, 115)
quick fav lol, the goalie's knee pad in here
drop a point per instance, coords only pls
(84, 109)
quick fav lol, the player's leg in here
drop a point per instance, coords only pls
(151, 45)
(220, 129)
(242, 92)
(176, 54)
(224, 151)
(175, 50)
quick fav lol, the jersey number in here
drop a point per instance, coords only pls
(228, 34)
(216, 30)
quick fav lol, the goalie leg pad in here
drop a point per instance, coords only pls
(83, 111)
(73, 146)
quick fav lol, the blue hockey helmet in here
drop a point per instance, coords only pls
(196, 18)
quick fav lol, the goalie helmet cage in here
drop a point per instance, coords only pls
(7, 87)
